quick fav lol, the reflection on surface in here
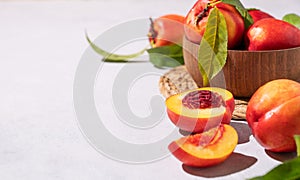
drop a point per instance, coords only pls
(235, 163)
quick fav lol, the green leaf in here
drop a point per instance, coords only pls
(297, 140)
(212, 53)
(288, 170)
(166, 56)
(107, 56)
(242, 10)
(292, 18)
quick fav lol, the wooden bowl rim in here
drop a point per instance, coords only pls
(247, 51)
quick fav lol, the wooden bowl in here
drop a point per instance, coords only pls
(245, 71)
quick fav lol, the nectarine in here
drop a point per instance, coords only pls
(272, 34)
(257, 14)
(197, 17)
(200, 109)
(273, 114)
(206, 149)
(166, 30)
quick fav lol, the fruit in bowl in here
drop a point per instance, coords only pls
(209, 148)
(257, 14)
(200, 109)
(269, 51)
(272, 34)
(196, 20)
(273, 114)
(166, 30)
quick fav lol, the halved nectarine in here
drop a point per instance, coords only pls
(206, 149)
(200, 109)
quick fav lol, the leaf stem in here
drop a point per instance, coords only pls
(205, 81)
(213, 3)
(113, 57)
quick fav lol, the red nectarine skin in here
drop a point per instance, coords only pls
(273, 114)
(197, 17)
(189, 116)
(285, 123)
(166, 30)
(272, 34)
(206, 149)
(270, 96)
(257, 15)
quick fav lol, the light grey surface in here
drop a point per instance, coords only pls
(41, 45)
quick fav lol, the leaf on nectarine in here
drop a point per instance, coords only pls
(242, 10)
(212, 53)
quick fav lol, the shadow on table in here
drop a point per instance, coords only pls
(243, 130)
(283, 156)
(235, 163)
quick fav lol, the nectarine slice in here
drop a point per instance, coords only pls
(200, 109)
(206, 149)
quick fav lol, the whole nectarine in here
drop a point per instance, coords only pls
(273, 114)
(166, 30)
(257, 14)
(272, 34)
(197, 17)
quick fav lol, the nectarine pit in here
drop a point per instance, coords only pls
(202, 99)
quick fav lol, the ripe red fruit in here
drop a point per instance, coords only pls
(273, 114)
(272, 34)
(166, 30)
(257, 15)
(197, 17)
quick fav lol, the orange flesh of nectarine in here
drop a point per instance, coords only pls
(174, 104)
(200, 119)
(217, 145)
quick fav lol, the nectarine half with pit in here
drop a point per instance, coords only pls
(273, 114)
(200, 109)
(206, 149)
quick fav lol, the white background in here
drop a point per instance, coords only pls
(41, 43)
